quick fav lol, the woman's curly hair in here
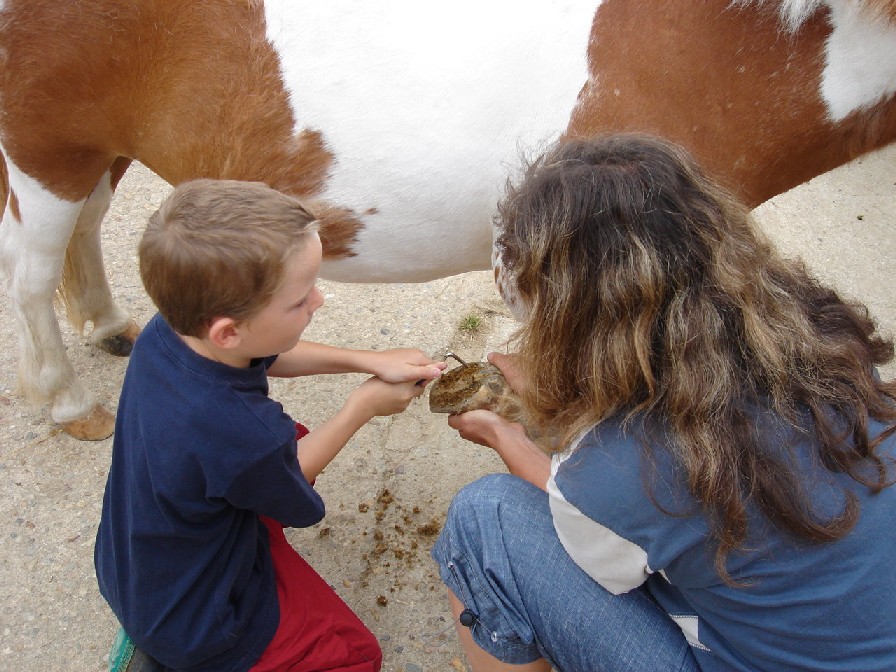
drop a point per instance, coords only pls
(650, 293)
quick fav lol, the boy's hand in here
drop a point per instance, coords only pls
(371, 398)
(405, 365)
(375, 397)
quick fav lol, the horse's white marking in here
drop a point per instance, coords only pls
(31, 253)
(860, 68)
(860, 54)
(795, 12)
(89, 294)
(41, 213)
(428, 118)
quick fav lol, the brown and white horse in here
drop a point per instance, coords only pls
(398, 121)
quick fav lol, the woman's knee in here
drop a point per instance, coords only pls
(494, 505)
(493, 495)
(492, 521)
(485, 545)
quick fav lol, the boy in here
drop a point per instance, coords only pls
(206, 470)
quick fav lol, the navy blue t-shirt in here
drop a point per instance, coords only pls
(200, 451)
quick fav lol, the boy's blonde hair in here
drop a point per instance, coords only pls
(216, 248)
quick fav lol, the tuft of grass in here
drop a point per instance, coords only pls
(470, 324)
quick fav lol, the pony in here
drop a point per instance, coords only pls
(398, 123)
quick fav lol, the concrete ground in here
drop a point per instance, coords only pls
(388, 491)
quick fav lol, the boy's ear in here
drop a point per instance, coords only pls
(223, 332)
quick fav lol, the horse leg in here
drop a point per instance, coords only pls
(34, 233)
(85, 290)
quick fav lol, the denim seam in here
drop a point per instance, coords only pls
(468, 601)
(491, 635)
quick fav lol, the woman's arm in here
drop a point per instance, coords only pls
(522, 457)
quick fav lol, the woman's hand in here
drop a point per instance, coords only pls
(484, 427)
(509, 366)
(522, 457)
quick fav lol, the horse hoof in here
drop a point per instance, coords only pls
(121, 344)
(96, 426)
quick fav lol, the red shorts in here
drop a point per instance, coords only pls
(317, 631)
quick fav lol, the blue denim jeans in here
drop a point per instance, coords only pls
(500, 555)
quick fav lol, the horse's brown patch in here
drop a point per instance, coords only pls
(882, 8)
(4, 184)
(14, 206)
(704, 74)
(339, 228)
(117, 171)
(233, 121)
(199, 94)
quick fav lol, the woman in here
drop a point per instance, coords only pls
(725, 501)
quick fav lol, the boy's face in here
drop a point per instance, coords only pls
(279, 325)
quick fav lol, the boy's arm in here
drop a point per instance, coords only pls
(393, 366)
(372, 398)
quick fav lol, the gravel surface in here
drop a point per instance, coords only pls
(388, 491)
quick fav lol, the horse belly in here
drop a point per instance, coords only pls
(426, 117)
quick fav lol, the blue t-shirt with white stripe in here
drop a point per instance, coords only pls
(626, 516)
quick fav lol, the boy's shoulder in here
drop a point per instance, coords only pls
(188, 392)
(153, 336)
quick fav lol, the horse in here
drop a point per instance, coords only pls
(398, 123)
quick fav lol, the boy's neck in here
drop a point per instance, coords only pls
(204, 348)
